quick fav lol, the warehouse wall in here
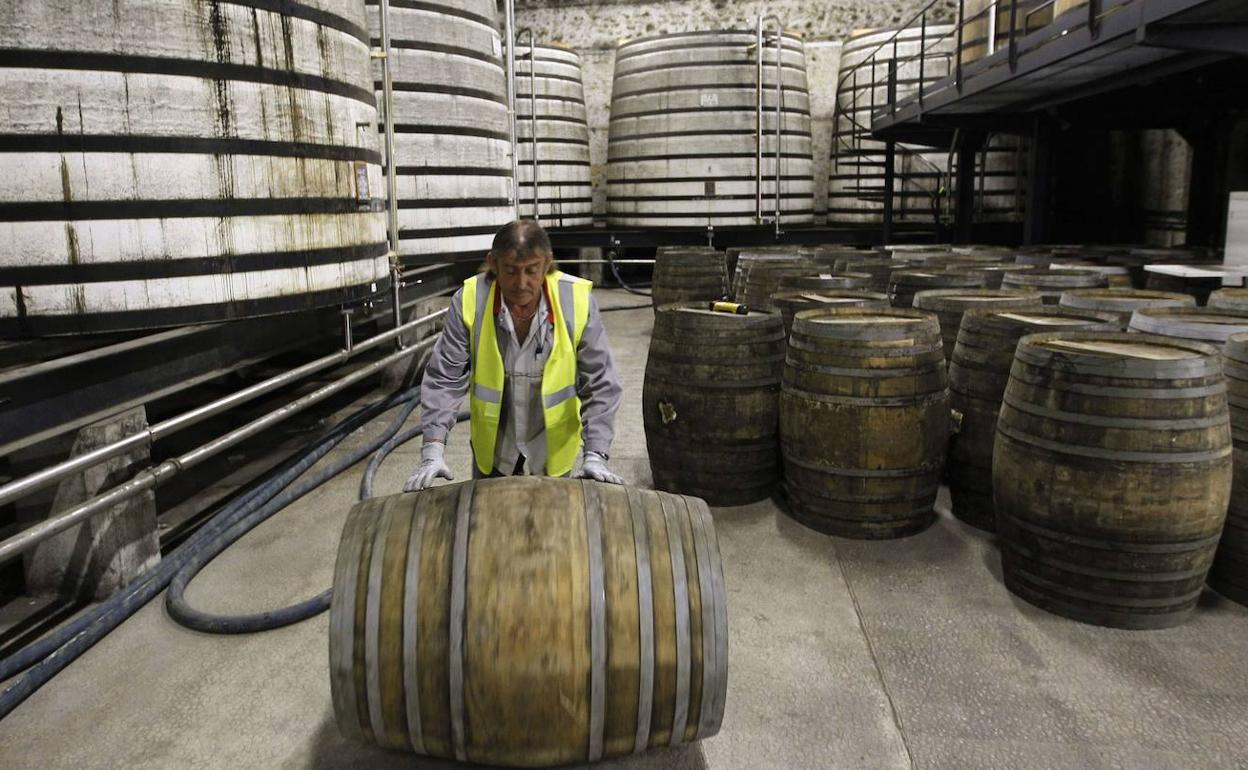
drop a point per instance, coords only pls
(593, 28)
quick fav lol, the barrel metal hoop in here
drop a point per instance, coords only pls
(1092, 572)
(1105, 544)
(873, 373)
(597, 621)
(645, 615)
(680, 593)
(899, 401)
(706, 593)
(872, 473)
(719, 385)
(459, 600)
(1107, 600)
(1061, 448)
(372, 624)
(719, 686)
(411, 631)
(1160, 393)
(1125, 423)
(342, 624)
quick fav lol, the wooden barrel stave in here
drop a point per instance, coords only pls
(1229, 575)
(520, 581)
(1111, 475)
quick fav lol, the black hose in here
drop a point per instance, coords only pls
(624, 307)
(615, 270)
(48, 655)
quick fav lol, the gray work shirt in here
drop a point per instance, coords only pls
(522, 428)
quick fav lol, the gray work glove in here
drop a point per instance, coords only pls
(431, 467)
(595, 467)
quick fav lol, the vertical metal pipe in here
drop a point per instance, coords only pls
(758, 123)
(958, 62)
(537, 215)
(392, 185)
(992, 27)
(779, 113)
(510, 34)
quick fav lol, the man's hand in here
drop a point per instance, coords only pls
(595, 467)
(431, 466)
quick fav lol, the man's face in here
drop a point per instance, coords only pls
(520, 279)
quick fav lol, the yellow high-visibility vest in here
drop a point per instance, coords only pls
(569, 302)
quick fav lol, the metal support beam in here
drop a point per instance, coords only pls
(1228, 38)
(1039, 176)
(1209, 188)
(967, 147)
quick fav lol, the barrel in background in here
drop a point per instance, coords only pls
(528, 622)
(1230, 299)
(710, 403)
(949, 305)
(1200, 324)
(1123, 302)
(1111, 475)
(553, 75)
(452, 141)
(789, 303)
(979, 370)
(146, 188)
(688, 275)
(1051, 284)
(864, 420)
(682, 141)
(904, 284)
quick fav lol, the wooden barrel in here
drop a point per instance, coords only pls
(978, 372)
(1123, 302)
(548, 85)
(992, 273)
(759, 279)
(143, 187)
(976, 20)
(793, 302)
(1062, 6)
(452, 140)
(1116, 276)
(828, 254)
(1229, 576)
(710, 401)
(1229, 299)
(743, 260)
(1053, 283)
(1111, 475)
(864, 419)
(950, 304)
(824, 282)
(688, 276)
(1190, 323)
(528, 622)
(904, 284)
(856, 176)
(878, 269)
(683, 132)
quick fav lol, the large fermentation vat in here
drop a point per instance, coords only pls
(452, 140)
(176, 161)
(682, 149)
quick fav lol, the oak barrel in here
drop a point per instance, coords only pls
(793, 302)
(1052, 283)
(1123, 302)
(950, 304)
(824, 281)
(904, 284)
(864, 420)
(1229, 299)
(992, 273)
(1229, 576)
(528, 622)
(1200, 324)
(759, 279)
(879, 269)
(688, 276)
(710, 403)
(978, 372)
(1111, 475)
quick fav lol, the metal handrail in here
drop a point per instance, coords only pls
(19, 488)
(537, 214)
(761, 23)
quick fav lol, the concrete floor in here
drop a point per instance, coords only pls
(844, 654)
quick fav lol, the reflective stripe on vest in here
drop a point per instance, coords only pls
(561, 407)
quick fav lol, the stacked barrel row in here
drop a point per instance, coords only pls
(862, 394)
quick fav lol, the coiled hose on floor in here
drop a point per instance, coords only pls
(49, 655)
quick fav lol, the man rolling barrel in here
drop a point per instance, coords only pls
(527, 346)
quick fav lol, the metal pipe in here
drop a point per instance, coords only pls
(387, 101)
(779, 109)
(20, 487)
(758, 124)
(992, 26)
(509, 33)
(537, 215)
(153, 477)
(396, 301)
